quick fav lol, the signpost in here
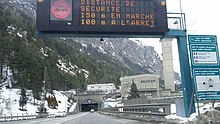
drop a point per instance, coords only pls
(205, 66)
(102, 17)
(121, 18)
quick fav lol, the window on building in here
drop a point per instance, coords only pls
(152, 80)
(143, 81)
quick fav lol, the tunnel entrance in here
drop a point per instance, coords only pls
(89, 104)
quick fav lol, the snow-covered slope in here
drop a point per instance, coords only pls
(9, 103)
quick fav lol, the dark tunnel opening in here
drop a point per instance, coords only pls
(89, 104)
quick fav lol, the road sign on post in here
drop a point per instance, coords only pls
(205, 66)
(101, 17)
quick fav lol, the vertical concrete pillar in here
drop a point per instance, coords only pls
(168, 63)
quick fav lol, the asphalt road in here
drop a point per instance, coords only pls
(80, 118)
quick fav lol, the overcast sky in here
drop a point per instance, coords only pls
(202, 18)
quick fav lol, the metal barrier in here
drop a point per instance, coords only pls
(159, 108)
(146, 112)
(22, 117)
(28, 116)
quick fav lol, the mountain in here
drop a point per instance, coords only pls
(133, 55)
(64, 62)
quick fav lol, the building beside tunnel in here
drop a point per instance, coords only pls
(101, 88)
(147, 85)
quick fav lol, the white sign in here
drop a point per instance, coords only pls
(205, 57)
(208, 83)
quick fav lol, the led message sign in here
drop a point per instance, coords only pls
(115, 17)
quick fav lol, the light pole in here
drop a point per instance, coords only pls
(65, 96)
(44, 88)
(181, 12)
(65, 85)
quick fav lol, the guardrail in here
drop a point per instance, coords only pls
(147, 112)
(22, 117)
(28, 116)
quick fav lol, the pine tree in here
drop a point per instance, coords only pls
(23, 98)
(134, 93)
(41, 109)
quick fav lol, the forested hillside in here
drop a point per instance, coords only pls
(26, 55)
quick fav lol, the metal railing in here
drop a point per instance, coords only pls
(28, 116)
(21, 117)
(147, 112)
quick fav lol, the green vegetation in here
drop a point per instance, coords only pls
(23, 99)
(133, 91)
(27, 56)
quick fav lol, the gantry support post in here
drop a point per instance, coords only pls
(187, 85)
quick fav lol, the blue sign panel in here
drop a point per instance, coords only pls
(202, 39)
(207, 83)
(203, 50)
(205, 66)
(204, 55)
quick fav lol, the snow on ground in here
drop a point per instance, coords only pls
(9, 103)
(110, 103)
(202, 108)
(63, 103)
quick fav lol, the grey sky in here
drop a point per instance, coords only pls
(202, 18)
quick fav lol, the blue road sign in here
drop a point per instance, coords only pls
(204, 54)
(205, 66)
(202, 39)
(207, 84)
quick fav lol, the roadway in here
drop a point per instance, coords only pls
(80, 118)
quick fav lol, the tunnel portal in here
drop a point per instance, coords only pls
(89, 104)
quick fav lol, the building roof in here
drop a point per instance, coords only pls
(101, 84)
(138, 76)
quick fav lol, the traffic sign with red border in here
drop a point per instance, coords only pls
(60, 9)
